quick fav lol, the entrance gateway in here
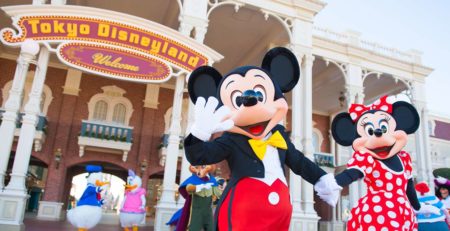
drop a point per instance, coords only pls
(105, 43)
(93, 40)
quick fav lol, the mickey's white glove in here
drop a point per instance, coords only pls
(208, 120)
(428, 209)
(328, 189)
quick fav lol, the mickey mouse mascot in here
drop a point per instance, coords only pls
(378, 133)
(250, 104)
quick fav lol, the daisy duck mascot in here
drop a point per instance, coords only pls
(132, 210)
(88, 211)
(199, 192)
(248, 105)
(378, 133)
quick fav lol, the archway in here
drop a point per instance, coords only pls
(382, 84)
(243, 37)
(113, 195)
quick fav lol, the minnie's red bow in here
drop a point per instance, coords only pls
(356, 110)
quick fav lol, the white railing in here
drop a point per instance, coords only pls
(376, 48)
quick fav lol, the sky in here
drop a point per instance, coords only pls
(422, 25)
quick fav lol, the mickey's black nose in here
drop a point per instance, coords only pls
(249, 98)
(378, 132)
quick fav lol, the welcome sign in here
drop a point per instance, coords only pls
(115, 49)
(113, 62)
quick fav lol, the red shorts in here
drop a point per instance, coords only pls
(257, 206)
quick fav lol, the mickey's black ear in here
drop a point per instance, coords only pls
(203, 82)
(406, 116)
(283, 66)
(343, 129)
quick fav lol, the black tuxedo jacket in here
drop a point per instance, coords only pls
(243, 162)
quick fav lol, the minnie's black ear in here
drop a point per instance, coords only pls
(343, 129)
(406, 116)
(283, 67)
(203, 82)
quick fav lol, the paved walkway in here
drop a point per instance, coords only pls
(31, 224)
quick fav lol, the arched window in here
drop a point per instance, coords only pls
(46, 97)
(315, 141)
(41, 106)
(119, 113)
(110, 106)
(100, 110)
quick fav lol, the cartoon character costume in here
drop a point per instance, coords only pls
(377, 133)
(442, 184)
(430, 222)
(132, 211)
(198, 191)
(250, 104)
(88, 211)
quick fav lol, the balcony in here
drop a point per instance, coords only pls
(162, 153)
(325, 160)
(41, 130)
(104, 137)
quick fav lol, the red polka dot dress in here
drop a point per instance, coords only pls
(386, 206)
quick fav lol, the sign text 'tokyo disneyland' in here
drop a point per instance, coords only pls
(72, 28)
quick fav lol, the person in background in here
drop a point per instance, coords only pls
(430, 221)
(442, 191)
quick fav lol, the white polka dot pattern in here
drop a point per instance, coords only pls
(385, 207)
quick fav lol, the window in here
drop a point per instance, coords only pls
(101, 108)
(110, 106)
(315, 141)
(119, 113)
(46, 97)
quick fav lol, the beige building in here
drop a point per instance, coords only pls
(75, 113)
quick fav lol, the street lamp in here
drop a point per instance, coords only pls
(58, 156)
(143, 166)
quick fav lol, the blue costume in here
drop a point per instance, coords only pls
(91, 195)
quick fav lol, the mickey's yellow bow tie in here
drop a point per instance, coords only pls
(260, 146)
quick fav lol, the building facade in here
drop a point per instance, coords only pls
(60, 117)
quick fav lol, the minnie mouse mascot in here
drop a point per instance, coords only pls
(378, 133)
(250, 104)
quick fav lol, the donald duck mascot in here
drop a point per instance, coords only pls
(132, 211)
(88, 211)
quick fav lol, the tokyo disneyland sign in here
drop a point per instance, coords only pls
(93, 40)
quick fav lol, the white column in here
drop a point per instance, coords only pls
(167, 205)
(354, 94)
(419, 104)
(294, 179)
(12, 205)
(187, 24)
(192, 13)
(27, 54)
(30, 119)
(186, 28)
(308, 149)
(426, 139)
(185, 173)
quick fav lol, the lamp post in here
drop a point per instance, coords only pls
(143, 166)
(58, 156)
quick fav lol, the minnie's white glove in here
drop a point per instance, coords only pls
(427, 209)
(328, 189)
(207, 120)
